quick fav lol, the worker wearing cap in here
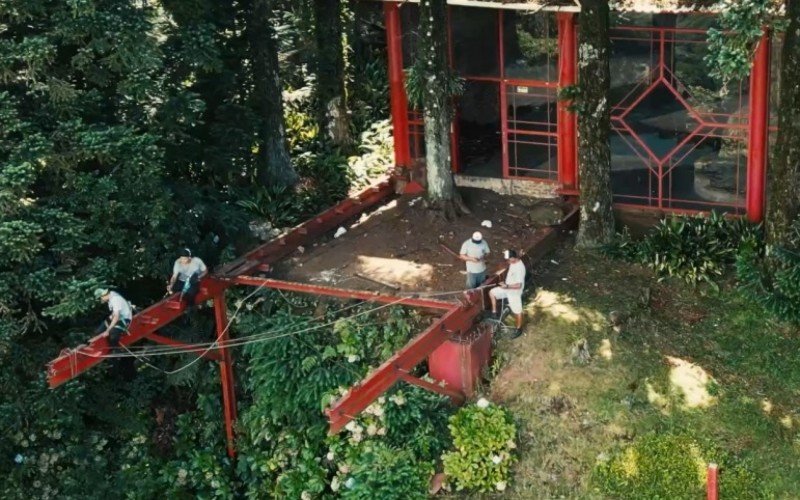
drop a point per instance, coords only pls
(116, 325)
(474, 252)
(511, 289)
(186, 275)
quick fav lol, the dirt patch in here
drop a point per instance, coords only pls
(398, 245)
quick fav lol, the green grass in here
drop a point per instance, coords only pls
(571, 416)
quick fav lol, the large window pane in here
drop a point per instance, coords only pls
(479, 145)
(474, 41)
(530, 44)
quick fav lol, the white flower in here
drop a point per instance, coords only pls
(352, 358)
(511, 444)
(344, 468)
(19, 458)
(398, 399)
(483, 403)
(350, 482)
(357, 438)
(182, 473)
(351, 425)
(335, 484)
(305, 495)
(496, 459)
(382, 431)
(501, 486)
(330, 456)
(372, 429)
(382, 400)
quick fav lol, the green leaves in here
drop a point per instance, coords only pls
(483, 435)
(731, 46)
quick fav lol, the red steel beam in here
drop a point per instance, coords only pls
(361, 395)
(71, 363)
(342, 293)
(759, 123)
(567, 125)
(397, 89)
(226, 372)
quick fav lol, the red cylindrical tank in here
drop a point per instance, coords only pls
(459, 361)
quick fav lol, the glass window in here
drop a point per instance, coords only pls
(409, 25)
(474, 41)
(479, 145)
(530, 44)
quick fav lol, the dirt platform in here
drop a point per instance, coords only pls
(398, 244)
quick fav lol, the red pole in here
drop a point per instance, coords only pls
(759, 124)
(397, 91)
(712, 492)
(226, 372)
(567, 123)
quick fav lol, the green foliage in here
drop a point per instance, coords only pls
(453, 85)
(770, 276)
(695, 249)
(669, 466)
(483, 435)
(382, 471)
(731, 46)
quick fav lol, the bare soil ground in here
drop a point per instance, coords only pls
(399, 244)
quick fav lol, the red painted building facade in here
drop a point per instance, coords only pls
(678, 144)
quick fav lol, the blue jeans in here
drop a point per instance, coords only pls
(474, 280)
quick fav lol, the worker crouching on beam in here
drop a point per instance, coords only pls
(186, 275)
(117, 323)
(511, 289)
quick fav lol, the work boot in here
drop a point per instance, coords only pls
(516, 333)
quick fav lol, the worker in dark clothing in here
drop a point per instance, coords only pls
(186, 275)
(117, 323)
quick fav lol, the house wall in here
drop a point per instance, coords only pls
(678, 144)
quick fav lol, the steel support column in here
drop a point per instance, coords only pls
(758, 136)
(567, 121)
(226, 372)
(397, 90)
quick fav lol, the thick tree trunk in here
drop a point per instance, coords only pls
(274, 167)
(332, 115)
(442, 193)
(783, 178)
(594, 126)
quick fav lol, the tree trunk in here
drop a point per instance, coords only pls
(594, 126)
(783, 180)
(437, 112)
(332, 115)
(273, 165)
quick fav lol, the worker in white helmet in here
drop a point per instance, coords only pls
(474, 252)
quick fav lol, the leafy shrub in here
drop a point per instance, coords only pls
(668, 466)
(483, 435)
(695, 249)
(385, 472)
(771, 275)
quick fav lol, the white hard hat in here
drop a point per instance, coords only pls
(477, 236)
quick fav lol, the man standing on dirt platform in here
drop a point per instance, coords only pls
(474, 252)
(511, 289)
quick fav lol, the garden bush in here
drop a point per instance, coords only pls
(670, 466)
(483, 435)
(695, 249)
(386, 472)
(773, 283)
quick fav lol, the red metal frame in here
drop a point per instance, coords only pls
(226, 371)
(708, 124)
(567, 120)
(399, 101)
(759, 125)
